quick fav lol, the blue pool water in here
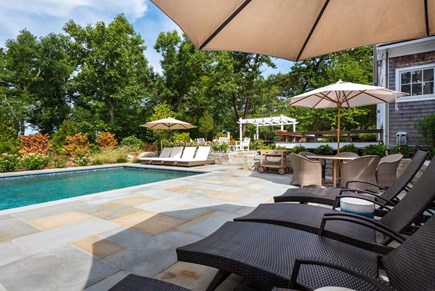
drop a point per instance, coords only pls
(32, 189)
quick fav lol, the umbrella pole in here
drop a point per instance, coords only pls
(338, 130)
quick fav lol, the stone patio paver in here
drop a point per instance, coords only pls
(92, 242)
(12, 227)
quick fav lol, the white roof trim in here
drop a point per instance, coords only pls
(404, 43)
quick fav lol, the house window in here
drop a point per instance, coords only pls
(417, 82)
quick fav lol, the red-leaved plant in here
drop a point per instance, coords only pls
(35, 144)
(106, 140)
(76, 145)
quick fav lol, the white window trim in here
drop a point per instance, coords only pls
(412, 98)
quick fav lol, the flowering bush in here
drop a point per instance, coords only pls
(77, 145)
(81, 159)
(106, 140)
(34, 161)
(9, 162)
(35, 144)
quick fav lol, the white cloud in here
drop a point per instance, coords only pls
(41, 17)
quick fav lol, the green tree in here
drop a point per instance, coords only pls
(21, 76)
(112, 75)
(36, 72)
(206, 124)
(49, 104)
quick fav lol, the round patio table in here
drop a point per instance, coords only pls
(336, 162)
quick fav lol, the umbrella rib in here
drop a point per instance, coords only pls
(426, 18)
(347, 99)
(371, 95)
(225, 23)
(312, 29)
(326, 97)
(303, 98)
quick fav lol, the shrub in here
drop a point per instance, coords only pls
(181, 137)
(109, 156)
(77, 145)
(34, 161)
(132, 143)
(9, 162)
(426, 127)
(298, 149)
(220, 147)
(349, 148)
(67, 128)
(256, 144)
(121, 159)
(97, 162)
(375, 149)
(324, 150)
(57, 161)
(280, 148)
(405, 150)
(35, 144)
(8, 146)
(106, 140)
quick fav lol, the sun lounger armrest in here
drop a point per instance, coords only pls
(345, 269)
(383, 206)
(365, 182)
(361, 220)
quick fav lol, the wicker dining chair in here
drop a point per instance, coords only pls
(386, 172)
(361, 169)
(349, 154)
(322, 162)
(306, 172)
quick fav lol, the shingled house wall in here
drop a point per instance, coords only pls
(404, 115)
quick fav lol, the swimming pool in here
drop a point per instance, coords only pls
(16, 191)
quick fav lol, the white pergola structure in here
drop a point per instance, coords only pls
(267, 121)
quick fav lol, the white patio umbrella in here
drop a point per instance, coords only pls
(299, 29)
(168, 123)
(345, 94)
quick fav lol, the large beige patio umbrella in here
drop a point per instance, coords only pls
(168, 123)
(345, 94)
(299, 29)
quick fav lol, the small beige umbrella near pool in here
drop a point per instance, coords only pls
(345, 94)
(168, 123)
(299, 29)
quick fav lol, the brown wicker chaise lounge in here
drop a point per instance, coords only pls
(351, 228)
(327, 195)
(139, 283)
(266, 254)
(409, 267)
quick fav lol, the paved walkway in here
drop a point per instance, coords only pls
(92, 242)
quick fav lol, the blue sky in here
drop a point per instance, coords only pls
(41, 17)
